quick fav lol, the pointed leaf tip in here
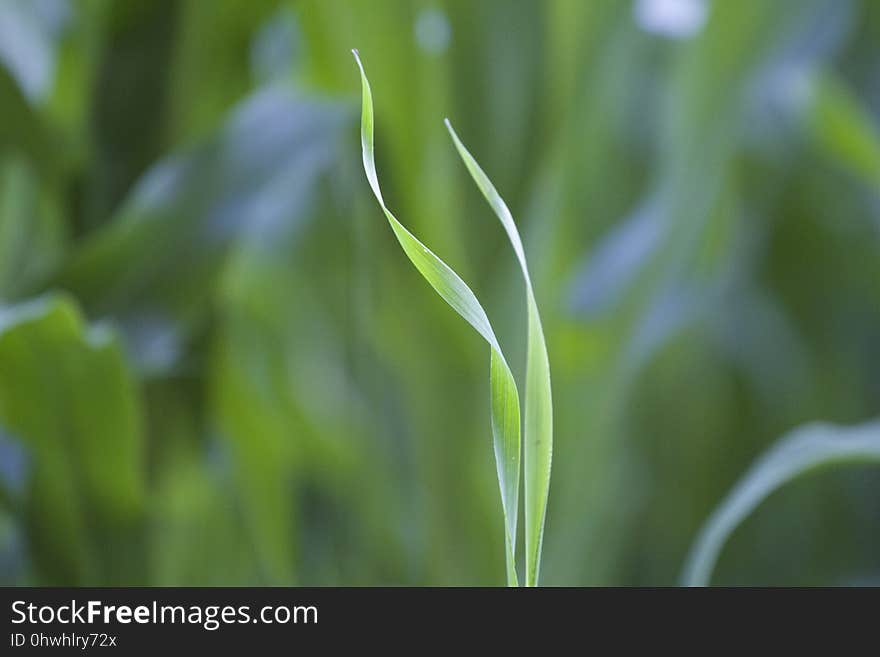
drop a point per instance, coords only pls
(504, 407)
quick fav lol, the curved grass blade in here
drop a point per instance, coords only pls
(539, 402)
(803, 450)
(505, 398)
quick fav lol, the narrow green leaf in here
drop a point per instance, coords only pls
(801, 451)
(841, 127)
(539, 402)
(505, 398)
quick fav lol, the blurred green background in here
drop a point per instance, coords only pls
(217, 368)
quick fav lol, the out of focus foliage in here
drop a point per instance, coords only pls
(217, 368)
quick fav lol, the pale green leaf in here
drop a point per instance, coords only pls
(801, 451)
(505, 412)
(539, 402)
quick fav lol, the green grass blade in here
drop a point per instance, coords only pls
(505, 398)
(801, 451)
(842, 128)
(539, 402)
